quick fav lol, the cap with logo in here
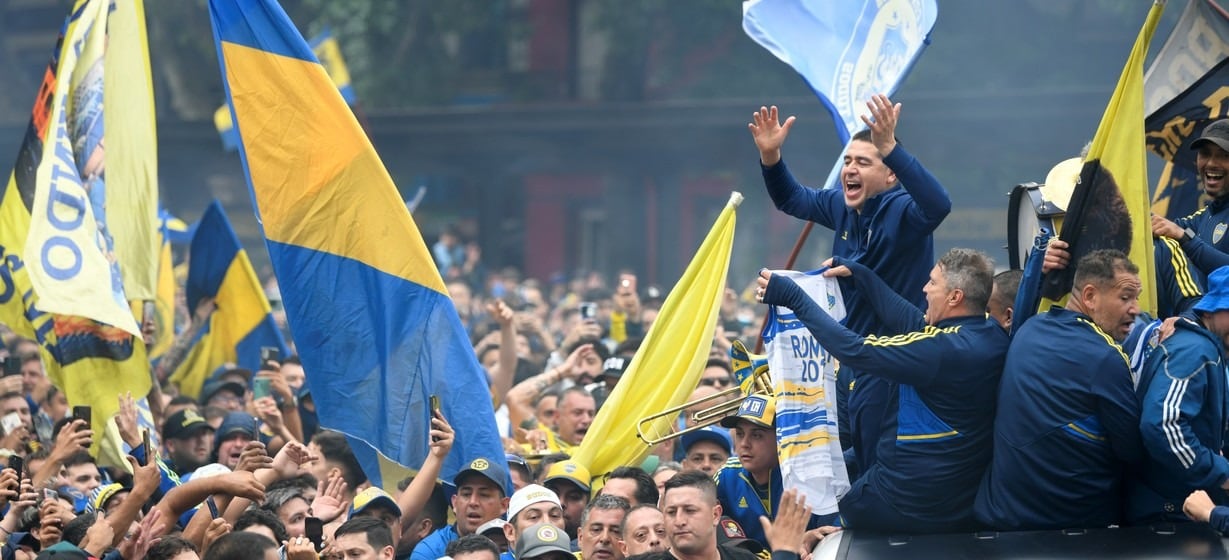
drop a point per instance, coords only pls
(760, 410)
(529, 495)
(730, 533)
(541, 540)
(571, 471)
(373, 497)
(184, 424)
(713, 434)
(495, 470)
(614, 366)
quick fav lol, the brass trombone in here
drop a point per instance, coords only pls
(760, 384)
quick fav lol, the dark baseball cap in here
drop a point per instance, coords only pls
(1216, 133)
(212, 388)
(184, 424)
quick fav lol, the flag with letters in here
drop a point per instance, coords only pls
(242, 323)
(376, 329)
(63, 286)
(845, 51)
(804, 382)
(1109, 208)
(1185, 89)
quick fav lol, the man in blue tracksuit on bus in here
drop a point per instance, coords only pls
(942, 376)
(1067, 423)
(1184, 407)
(883, 217)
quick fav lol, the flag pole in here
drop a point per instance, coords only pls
(789, 265)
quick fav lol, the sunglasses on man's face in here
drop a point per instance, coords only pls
(716, 382)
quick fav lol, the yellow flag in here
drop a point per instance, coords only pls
(132, 150)
(667, 367)
(88, 335)
(1110, 206)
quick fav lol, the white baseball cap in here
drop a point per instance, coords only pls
(529, 495)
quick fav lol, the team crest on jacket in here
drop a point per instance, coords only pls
(1218, 233)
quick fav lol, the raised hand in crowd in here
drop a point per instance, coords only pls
(254, 457)
(266, 409)
(501, 379)
(148, 531)
(289, 458)
(126, 421)
(11, 384)
(786, 532)
(53, 516)
(415, 496)
(16, 439)
(10, 486)
(217, 529)
(625, 297)
(769, 133)
(23, 498)
(98, 538)
(286, 404)
(587, 328)
(145, 482)
(330, 502)
(299, 548)
(74, 437)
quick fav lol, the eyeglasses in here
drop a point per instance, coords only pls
(716, 381)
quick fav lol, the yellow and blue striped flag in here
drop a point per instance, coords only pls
(375, 327)
(219, 268)
(328, 52)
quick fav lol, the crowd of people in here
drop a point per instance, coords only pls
(959, 411)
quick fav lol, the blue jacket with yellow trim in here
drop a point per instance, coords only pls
(1209, 250)
(1183, 405)
(1178, 288)
(936, 439)
(1066, 426)
(736, 494)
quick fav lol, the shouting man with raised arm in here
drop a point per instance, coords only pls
(883, 216)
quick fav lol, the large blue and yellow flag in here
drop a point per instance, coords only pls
(373, 322)
(69, 295)
(667, 367)
(328, 52)
(1109, 208)
(846, 51)
(219, 268)
(1185, 89)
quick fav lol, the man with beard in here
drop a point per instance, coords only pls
(188, 439)
(1202, 234)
